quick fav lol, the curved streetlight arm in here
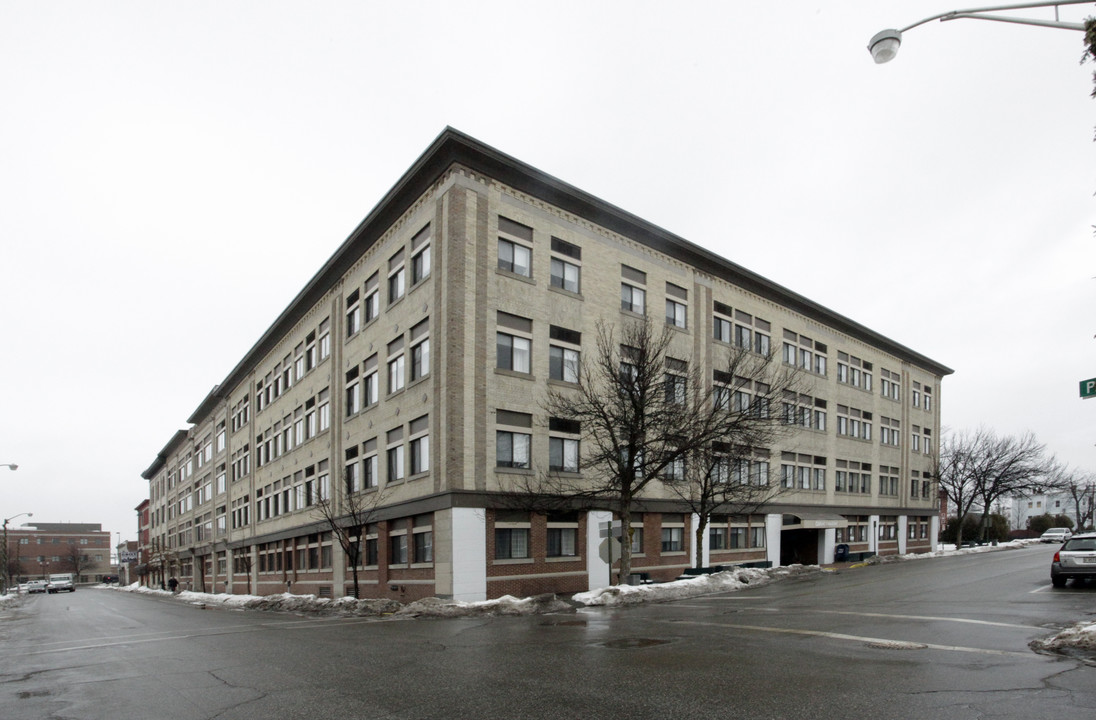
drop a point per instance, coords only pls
(884, 45)
(979, 14)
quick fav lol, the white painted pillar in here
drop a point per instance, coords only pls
(598, 572)
(903, 533)
(827, 541)
(773, 523)
(468, 551)
(705, 543)
(934, 532)
(873, 533)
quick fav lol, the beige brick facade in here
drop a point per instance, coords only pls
(232, 498)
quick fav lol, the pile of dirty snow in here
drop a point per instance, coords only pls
(1081, 636)
(726, 581)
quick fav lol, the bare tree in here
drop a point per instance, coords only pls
(162, 557)
(76, 559)
(981, 467)
(348, 514)
(1079, 486)
(642, 414)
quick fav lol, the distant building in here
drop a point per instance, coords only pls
(413, 364)
(139, 570)
(35, 551)
(1025, 508)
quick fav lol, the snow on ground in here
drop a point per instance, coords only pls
(1079, 637)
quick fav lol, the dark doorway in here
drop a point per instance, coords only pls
(799, 547)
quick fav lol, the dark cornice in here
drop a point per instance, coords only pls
(453, 147)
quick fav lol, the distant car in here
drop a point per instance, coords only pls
(1056, 535)
(110, 579)
(1076, 559)
(36, 586)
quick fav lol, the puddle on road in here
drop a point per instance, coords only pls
(632, 643)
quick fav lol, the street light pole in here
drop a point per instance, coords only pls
(7, 570)
(884, 45)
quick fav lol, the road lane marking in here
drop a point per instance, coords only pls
(930, 617)
(855, 638)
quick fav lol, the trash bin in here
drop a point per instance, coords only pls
(841, 553)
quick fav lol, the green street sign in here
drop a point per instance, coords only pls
(1088, 388)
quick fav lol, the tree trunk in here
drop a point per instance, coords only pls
(625, 541)
(700, 526)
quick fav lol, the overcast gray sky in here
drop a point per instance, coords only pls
(171, 174)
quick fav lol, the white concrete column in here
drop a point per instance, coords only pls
(598, 572)
(705, 543)
(873, 533)
(827, 541)
(934, 532)
(773, 523)
(468, 550)
(903, 533)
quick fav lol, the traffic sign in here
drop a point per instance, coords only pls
(1088, 388)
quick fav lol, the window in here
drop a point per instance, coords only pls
(420, 265)
(722, 329)
(371, 304)
(563, 364)
(564, 275)
(353, 392)
(397, 279)
(353, 314)
(396, 367)
(395, 457)
(325, 346)
(515, 258)
(563, 454)
(397, 545)
(803, 352)
(512, 449)
(675, 313)
(511, 535)
(369, 464)
(928, 399)
(420, 350)
(673, 533)
(633, 299)
(423, 535)
(890, 385)
(562, 535)
(513, 352)
(420, 445)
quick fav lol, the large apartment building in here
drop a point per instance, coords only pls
(413, 366)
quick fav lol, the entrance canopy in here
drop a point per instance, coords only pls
(817, 520)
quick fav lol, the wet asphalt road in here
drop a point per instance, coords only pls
(938, 638)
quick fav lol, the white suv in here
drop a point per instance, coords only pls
(60, 583)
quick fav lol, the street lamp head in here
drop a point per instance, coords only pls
(884, 45)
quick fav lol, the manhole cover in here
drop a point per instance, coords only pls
(630, 643)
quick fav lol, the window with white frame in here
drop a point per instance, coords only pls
(397, 372)
(511, 535)
(803, 352)
(513, 439)
(928, 398)
(564, 274)
(677, 308)
(371, 303)
(515, 248)
(419, 444)
(422, 528)
(854, 423)
(353, 392)
(723, 323)
(394, 450)
(802, 472)
(890, 432)
(420, 257)
(325, 343)
(563, 445)
(673, 532)
(513, 343)
(369, 464)
(420, 350)
(633, 293)
(353, 314)
(397, 277)
(563, 363)
(676, 380)
(370, 381)
(890, 385)
(562, 534)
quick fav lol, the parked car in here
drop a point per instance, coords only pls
(1076, 559)
(36, 586)
(1056, 535)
